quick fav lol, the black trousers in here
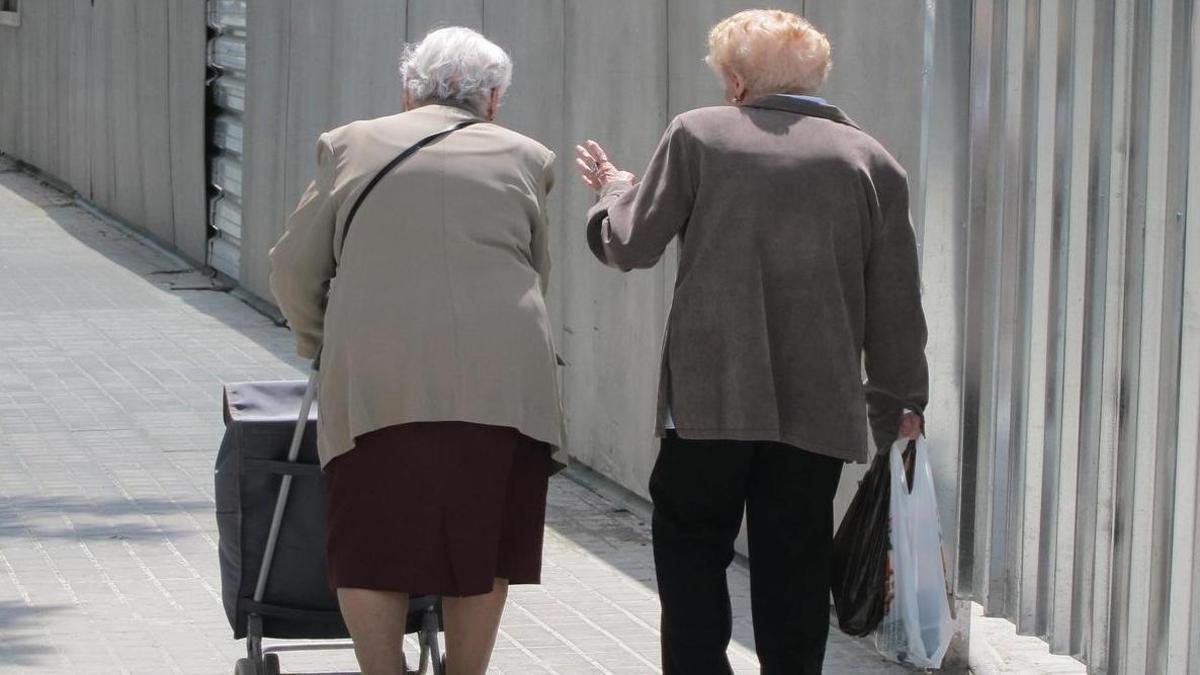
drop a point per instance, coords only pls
(700, 490)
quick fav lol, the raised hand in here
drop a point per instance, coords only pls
(595, 169)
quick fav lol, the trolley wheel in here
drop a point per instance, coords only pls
(244, 667)
(271, 664)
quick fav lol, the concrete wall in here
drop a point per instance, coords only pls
(109, 98)
(312, 65)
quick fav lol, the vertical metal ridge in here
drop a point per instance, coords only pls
(1112, 197)
(1133, 26)
(976, 450)
(1021, 228)
(1139, 455)
(1181, 651)
(1007, 227)
(1037, 259)
(1073, 121)
(1174, 23)
(1065, 629)
(1096, 25)
(987, 232)
(1000, 332)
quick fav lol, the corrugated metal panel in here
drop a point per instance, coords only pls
(224, 255)
(228, 52)
(227, 132)
(227, 175)
(1082, 380)
(227, 15)
(227, 93)
(1183, 626)
(226, 217)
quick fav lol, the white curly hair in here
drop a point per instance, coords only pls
(456, 66)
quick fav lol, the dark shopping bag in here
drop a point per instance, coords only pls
(297, 603)
(860, 554)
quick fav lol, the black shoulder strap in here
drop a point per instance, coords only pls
(388, 169)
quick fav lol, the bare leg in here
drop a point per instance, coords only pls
(471, 626)
(376, 620)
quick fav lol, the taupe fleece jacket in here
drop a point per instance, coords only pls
(798, 271)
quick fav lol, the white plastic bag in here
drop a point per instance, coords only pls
(917, 628)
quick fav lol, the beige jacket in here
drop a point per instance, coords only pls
(798, 266)
(434, 309)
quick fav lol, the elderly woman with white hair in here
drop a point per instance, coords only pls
(439, 404)
(797, 268)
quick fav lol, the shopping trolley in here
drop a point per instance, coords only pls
(270, 496)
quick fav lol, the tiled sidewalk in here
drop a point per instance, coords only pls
(112, 354)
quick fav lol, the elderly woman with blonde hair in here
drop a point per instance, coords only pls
(439, 405)
(797, 268)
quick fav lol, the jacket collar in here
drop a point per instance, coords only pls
(802, 107)
(447, 113)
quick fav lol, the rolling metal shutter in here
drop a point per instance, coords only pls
(227, 94)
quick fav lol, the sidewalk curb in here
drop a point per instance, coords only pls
(996, 648)
(982, 657)
(607, 487)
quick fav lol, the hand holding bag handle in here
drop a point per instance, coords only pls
(310, 392)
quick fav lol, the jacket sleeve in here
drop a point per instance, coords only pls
(894, 358)
(631, 225)
(302, 261)
(540, 244)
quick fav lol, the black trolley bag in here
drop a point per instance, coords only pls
(270, 503)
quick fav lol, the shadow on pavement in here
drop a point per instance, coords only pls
(616, 529)
(613, 525)
(21, 632)
(83, 514)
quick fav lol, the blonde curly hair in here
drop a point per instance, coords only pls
(773, 51)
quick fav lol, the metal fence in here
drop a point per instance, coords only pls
(1081, 398)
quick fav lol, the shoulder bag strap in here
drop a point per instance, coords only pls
(412, 150)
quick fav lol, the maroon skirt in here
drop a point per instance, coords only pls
(437, 508)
